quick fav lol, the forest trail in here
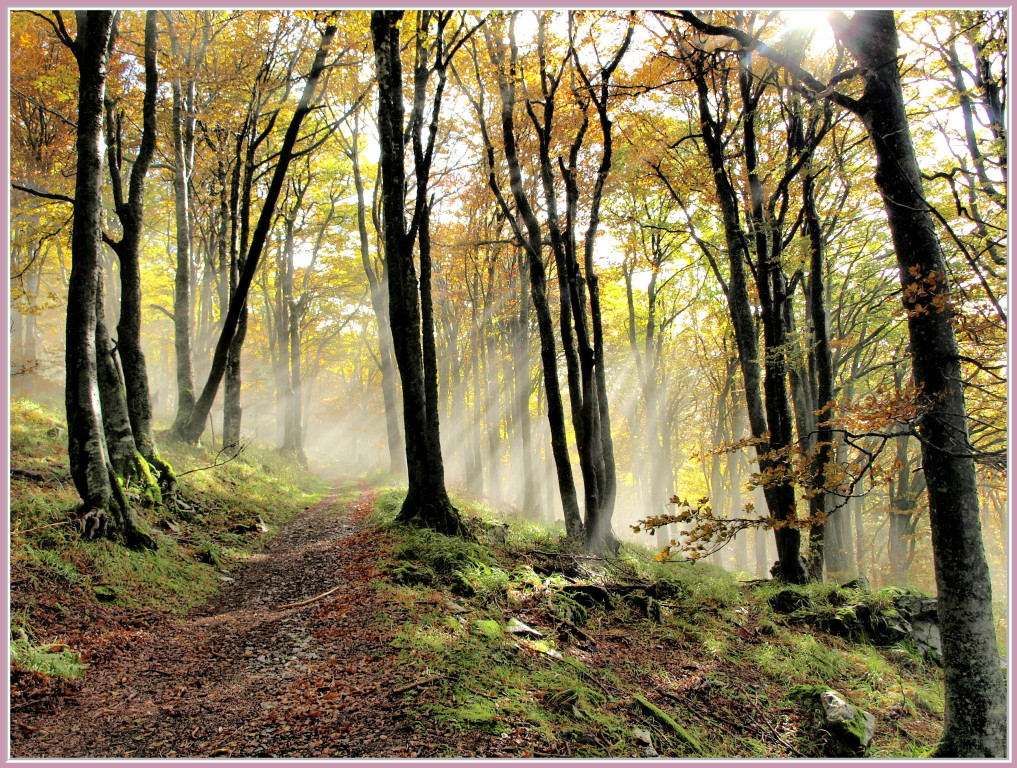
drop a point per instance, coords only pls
(244, 676)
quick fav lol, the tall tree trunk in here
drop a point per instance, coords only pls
(779, 498)
(234, 324)
(824, 448)
(427, 497)
(182, 330)
(128, 250)
(772, 289)
(376, 283)
(533, 243)
(976, 717)
(521, 363)
(295, 416)
(105, 509)
(116, 424)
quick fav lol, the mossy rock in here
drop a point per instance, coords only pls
(461, 586)
(492, 630)
(564, 607)
(413, 575)
(211, 554)
(106, 594)
(791, 601)
(667, 589)
(648, 606)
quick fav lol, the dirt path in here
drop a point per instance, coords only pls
(244, 677)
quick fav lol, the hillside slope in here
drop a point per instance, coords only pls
(345, 636)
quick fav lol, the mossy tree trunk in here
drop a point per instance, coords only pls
(130, 211)
(105, 510)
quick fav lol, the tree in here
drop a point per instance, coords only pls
(426, 498)
(130, 211)
(975, 690)
(376, 279)
(191, 430)
(105, 511)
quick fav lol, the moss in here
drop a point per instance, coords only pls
(411, 575)
(857, 726)
(666, 720)
(150, 491)
(492, 630)
(50, 659)
(564, 607)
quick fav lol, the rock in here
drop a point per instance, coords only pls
(668, 590)
(589, 595)
(646, 740)
(654, 610)
(516, 627)
(412, 575)
(921, 614)
(105, 594)
(490, 629)
(461, 586)
(789, 601)
(850, 729)
(861, 583)
(497, 533)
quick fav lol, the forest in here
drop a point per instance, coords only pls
(726, 286)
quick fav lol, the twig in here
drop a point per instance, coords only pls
(27, 704)
(415, 684)
(17, 532)
(215, 462)
(309, 600)
(721, 720)
(767, 725)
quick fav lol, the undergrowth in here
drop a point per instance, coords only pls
(680, 653)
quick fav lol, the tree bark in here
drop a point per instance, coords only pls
(378, 288)
(976, 718)
(531, 236)
(128, 250)
(182, 330)
(105, 510)
(427, 498)
(779, 497)
(823, 445)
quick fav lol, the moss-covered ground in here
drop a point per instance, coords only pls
(682, 652)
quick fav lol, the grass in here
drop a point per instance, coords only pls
(49, 659)
(716, 647)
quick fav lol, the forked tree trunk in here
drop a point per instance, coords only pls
(780, 500)
(130, 211)
(533, 244)
(234, 323)
(427, 498)
(104, 507)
